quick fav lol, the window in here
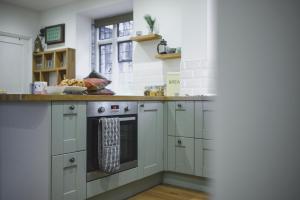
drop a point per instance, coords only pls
(115, 48)
(106, 32)
(125, 51)
(125, 28)
(106, 57)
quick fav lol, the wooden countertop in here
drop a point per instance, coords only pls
(31, 97)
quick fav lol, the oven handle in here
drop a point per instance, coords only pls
(124, 119)
(127, 119)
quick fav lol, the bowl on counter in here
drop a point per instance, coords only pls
(55, 89)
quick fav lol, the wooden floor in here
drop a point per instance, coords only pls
(165, 192)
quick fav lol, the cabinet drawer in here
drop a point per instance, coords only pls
(184, 155)
(184, 119)
(208, 118)
(198, 119)
(68, 127)
(208, 155)
(199, 157)
(69, 176)
(70, 108)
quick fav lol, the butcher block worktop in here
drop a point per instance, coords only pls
(31, 97)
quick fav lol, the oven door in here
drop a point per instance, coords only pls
(128, 145)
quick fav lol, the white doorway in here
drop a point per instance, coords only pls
(15, 64)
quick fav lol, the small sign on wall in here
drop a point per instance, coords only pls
(173, 84)
(55, 34)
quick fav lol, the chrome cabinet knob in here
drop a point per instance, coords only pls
(179, 106)
(72, 160)
(179, 142)
(142, 105)
(72, 107)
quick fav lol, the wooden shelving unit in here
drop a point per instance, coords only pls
(53, 66)
(144, 38)
(168, 56)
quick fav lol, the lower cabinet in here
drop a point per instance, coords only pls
(150, 138)
(69, 176)
(181, 155)
(199, 157)
(184, 155)
(208, 154)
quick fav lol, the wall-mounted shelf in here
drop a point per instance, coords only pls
(168, 56)
(53, 66)
(143, 38)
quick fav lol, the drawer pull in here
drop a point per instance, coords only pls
(179, 106)
(72, 107)
(179, 142)
(72, 160)
(142, 105)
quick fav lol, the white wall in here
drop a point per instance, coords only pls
(23, 24)
(19, 21)
(77, 17)
(147, 69)
(197, 68)
(257, 154)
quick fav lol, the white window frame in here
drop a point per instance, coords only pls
(114, 41)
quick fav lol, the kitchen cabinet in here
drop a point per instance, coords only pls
(181, 118)
(171, 158)
(68, 127)
(199, 157)
(184, 155)
(150, 138)
(198, 119)
(184, 119)
(208, 111)
(208, 154)
(181, 155)
(69, 176)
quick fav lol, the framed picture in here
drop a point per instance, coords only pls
(55, 34)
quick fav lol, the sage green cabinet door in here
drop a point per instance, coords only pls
(198, 119)
(171, 117)
(171, 153)
(208, 116)
(69, 176)
(184, 155)
(208, 155)
(150, 130)
(198, 157)
(68, 127)
(184, 119)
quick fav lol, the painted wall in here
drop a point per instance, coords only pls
(77, 17)
(23, 24)
(146, 68)
(197, 68)
(257, 151)
(18, 20)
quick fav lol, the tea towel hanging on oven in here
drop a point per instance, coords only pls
(109, 144)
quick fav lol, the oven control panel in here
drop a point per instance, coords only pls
(97, 109)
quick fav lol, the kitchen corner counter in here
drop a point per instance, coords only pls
(43, 98)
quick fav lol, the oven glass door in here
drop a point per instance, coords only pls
(128, 145)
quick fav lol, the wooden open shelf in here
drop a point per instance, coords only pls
(143, 38)
(53, 66)
(168, 56)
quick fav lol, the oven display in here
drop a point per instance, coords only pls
(115, 107)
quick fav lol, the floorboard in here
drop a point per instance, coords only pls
(166, 192)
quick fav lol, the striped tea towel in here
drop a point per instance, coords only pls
(109, 144)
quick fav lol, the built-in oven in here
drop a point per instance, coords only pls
(127, 114)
